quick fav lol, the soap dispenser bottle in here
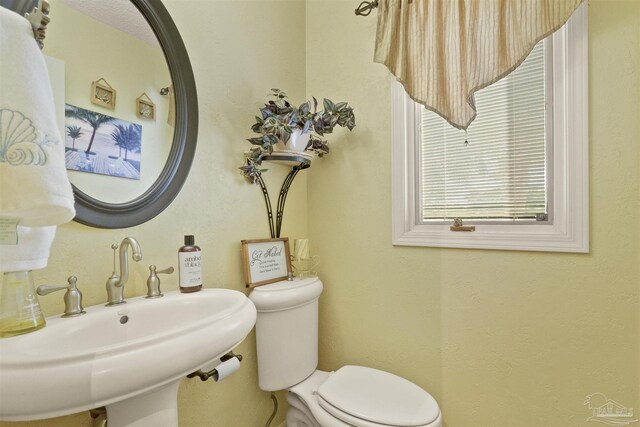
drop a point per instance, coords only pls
(190, 266)
(20, 311)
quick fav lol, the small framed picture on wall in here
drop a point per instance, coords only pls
(103, 94)
(265, 261)
(145, 108)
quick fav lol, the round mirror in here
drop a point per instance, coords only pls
(129, 107)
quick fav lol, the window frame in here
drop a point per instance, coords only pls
(569, 229)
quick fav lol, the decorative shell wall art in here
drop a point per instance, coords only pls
(145, 108)
(103, 94)
(19, 141)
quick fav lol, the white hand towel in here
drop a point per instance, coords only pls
(34, 182)
(34, 186)
(31, 252)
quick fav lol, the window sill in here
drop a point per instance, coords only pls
(548, 238)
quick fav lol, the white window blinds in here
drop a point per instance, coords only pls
(502, 172)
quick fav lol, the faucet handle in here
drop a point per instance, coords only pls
(167, 270)
(153, 282)
(114, 248)
(72, 298)
(43, 290)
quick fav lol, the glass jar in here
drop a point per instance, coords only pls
(20, 311)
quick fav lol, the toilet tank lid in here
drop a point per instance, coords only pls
(286, 294)
(379, 397)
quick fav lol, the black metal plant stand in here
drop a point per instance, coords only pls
(299, 163)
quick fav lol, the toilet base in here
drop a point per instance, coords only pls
(298, 414)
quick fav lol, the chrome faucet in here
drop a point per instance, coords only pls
(115, 283)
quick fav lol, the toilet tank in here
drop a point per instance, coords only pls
(286, 331)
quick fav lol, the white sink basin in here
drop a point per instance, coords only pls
(129, 357)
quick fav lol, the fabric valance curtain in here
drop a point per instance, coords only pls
(443, 51)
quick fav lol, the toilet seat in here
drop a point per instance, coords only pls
(365, 397)
(359, 393)
(351, 421)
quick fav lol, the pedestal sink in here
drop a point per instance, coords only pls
(129, 358)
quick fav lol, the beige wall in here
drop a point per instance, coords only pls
(513, 339)
(237, 55)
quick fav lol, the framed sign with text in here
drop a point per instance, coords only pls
(265, 261)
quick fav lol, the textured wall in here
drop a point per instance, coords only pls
(237, 57)
(499, 338)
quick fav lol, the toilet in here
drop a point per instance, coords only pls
(287, 345)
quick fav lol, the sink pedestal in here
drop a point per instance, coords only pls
(155, 408)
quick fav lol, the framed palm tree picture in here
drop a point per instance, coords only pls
(101, 144)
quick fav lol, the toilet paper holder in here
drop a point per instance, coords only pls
(214, 372)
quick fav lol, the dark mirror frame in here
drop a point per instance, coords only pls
(96, 213)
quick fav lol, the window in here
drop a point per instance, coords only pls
(497, 170)
(519, 175)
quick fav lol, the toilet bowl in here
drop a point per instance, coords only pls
(352, 396)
